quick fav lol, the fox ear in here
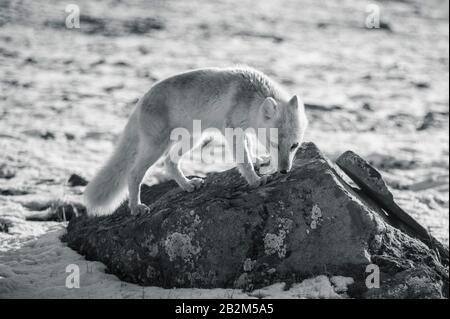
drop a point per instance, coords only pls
(294, 102)
(269, 108)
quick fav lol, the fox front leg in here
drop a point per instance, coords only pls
(258, 161)
(262, 162)
(245, 164)
(172, 164)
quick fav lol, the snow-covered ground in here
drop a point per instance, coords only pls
(38, 270)
(65, 95)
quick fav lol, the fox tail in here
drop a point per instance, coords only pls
(108, 188)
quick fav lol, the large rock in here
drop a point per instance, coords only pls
(226, 234)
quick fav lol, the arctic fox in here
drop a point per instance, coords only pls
(219, 97)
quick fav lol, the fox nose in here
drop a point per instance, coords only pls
(283, 171)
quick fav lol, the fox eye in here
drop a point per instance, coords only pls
(294, 146)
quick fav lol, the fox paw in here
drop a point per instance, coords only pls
(261, 161)
(140, 209)
(192, 184)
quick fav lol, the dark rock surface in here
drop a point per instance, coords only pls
(76, 180)
(4, 225)
(6, 172)
(306, 223)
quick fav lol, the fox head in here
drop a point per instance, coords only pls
(290, 120)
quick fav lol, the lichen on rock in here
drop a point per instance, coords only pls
(180, 245)
(274, 244)
(316, 216)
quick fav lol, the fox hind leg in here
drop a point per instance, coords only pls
(147, 156)
(172, 163)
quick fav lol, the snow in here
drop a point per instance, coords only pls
(320, 287)
(38, 270)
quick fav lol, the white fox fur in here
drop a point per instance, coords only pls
(108, 189)
(230, 97)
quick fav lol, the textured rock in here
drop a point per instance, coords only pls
(309, 222)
